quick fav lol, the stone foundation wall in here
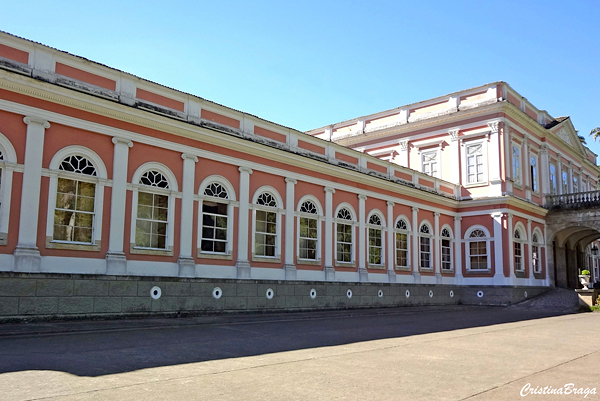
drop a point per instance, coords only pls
(45, 296)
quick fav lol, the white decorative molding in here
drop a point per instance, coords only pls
(562, 134)
(453, 134)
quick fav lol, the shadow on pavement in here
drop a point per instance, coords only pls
(95, 348)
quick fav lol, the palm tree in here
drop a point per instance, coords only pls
(595, 133)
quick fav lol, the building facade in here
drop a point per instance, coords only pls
(105, 173)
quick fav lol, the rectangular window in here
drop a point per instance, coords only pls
(151, 223)
(401, 250)
(344, 243)
(475, 164)
(214, 227)
(308, 238)
(575, 183)
(446, 255)
(429, 163)
(565, 182)
(553, 184)
(516, 165)
(375, 247)
(74, 212)
(533, 175)
(266, 233)
(425, 243)
(478, 255)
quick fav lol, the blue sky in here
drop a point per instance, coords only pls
(305, 64)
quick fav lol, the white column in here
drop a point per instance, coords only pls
(329, 244)
(415, 245)
(391, 248)
(508, 159)
(545, 170)
(437, 268)
(458, 275)
(498, 257)
(289, 267)
(115, 257)
(187, 265)
(242, 264)
(403, 154)
(362, 239)
(570, 183)
(27, 255)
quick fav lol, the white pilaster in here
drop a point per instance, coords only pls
(437, 268)
(529, 254)
(27, 255)
(498, 257)
(187, 265)
(403, 154)
(526, 169)
(570, 183)
(289, 267)
(560, 174)
(391, 248)
(545, 170)
(458, 274)
(329, 245)
(116, 264)
(415, 245)
(511, 250)
(242, 264)
(493, 159)
(455, 149)
(362, 238)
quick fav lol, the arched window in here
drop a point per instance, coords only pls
(402, 232)
(308, 236)
(344, 239)
(478, 249)
(74, 211)
(215, 220)
(446, 249)
(425, 237)
(375, 240)
(266, 225)
(535, 252)
(518, 240)
(152, 216)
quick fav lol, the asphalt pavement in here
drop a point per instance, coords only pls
(409, 353)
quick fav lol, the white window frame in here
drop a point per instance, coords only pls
(484, 162)
(564, 174)
(353, 224)
(231, 204)
(451, 248)
(423, 154)
(100, 180)
(408, 233)
(487, 239)
(534, 172)
(516, 170)
(521, 241)
(279, 212)
(575, 183)
(536, 262)
(428, 236)
(319, 217)
(382, 229)
(8, 165)
(171, 193)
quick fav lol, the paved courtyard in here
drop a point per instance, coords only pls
(433, 353)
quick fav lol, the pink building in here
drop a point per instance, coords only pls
(108, 174)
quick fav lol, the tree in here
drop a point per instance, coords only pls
(595, 133)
